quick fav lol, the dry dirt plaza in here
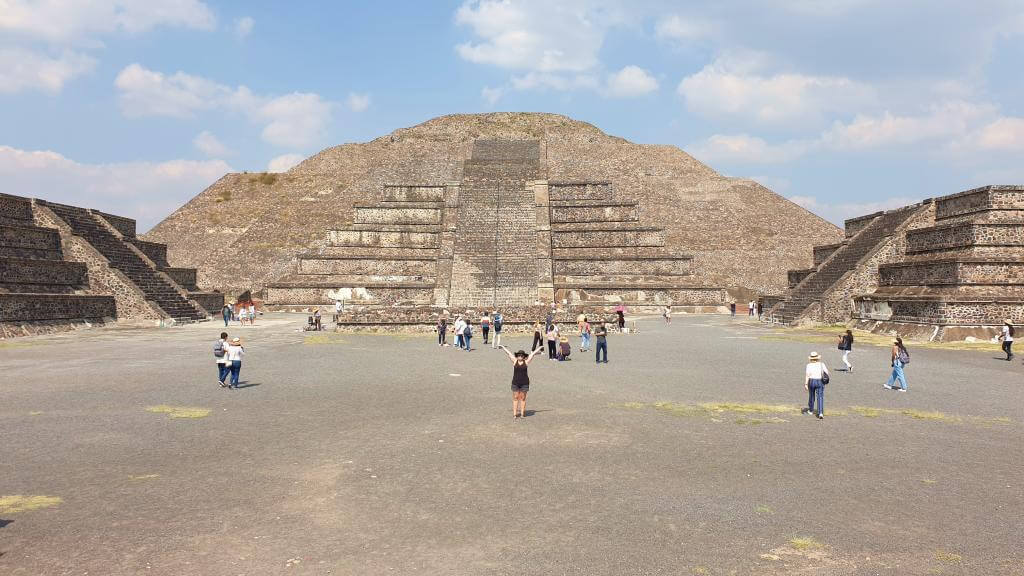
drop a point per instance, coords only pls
(383, 454)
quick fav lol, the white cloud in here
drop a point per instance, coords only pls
(747, 149)
(284, 162)
(731, 87)
(357, 102)
(630, 82)
(837, 213)
(147, 191)
(294, 120)
(679, 29)
(946, 121)
(1003, 134)
(533, 34)
(22, 69)
(62, 22)
(208, 144)
(491, 95)
(243, 27)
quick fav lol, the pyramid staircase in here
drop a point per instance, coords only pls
(864, 236)
(121, 256)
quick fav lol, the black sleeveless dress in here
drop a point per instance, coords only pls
(520, 378)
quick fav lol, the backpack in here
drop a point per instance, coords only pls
(218, 349)
(498, 321)
(1011, 330)
(904, 356)
(469, 330)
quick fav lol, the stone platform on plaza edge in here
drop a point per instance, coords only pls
(63, 267)
(943, 269)
(498, 239)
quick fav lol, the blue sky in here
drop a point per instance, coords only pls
(845, 106)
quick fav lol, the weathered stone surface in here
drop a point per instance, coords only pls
(34, 307)
(45, 276)
(247, 230)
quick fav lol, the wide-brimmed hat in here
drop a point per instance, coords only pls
(814, 356)
(563, 339)
(236, 340)
(1007, 321)
(521, 354)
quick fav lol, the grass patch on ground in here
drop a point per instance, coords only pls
(4, 344)
(932, 416)
(830, 334)
(18, 503)
(34, 413)
(179, 411)
(748, 408)
(949, 558)
(804, 543)
(764, 510)
(757, 421)
(324, 338)
(869, 412)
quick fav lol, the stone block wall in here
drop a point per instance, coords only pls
(605, 212)
(29, 242)
(413, 193)
(387, 214)
(15, 210)
(126, 226)
(185, 277)
(375, 238)
(964, 234)
(570, 191)
(821, 253)
(45, 276)
(386, 295)
(797, 276)
(49, 307)
(154, 251)
(369, 266)
(854, 225)
(623, 267)
(612, 237)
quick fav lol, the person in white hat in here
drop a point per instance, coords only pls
(235, 351)
(1007, 337)
(815, 378)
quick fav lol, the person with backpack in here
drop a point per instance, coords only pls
(602, 341)
(234, 352)
(815, 378)
(900, 358)
(220, 353)
(1007, 337)
(485, 325)
(226, 313)
(846, 345)
(499, 322)
(442, 331)
(467, 334)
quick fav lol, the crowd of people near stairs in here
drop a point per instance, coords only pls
(548, 336)
(242, 312)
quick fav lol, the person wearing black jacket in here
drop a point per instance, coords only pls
(846, 345)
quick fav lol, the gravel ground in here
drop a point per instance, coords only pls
(384, 454)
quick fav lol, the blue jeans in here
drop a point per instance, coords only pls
(816, 390)
(602, 346)
(236, 367)
(226, 318)
(459, 340)
(585, 341)
(897, 374)
(467, 337)
(222, 372)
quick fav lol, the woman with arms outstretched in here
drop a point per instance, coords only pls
(520, 379)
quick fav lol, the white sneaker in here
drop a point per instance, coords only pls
(902, 389)
(886, 386)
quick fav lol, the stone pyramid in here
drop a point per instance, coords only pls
(504, 208)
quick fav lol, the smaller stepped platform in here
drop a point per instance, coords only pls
(39, 289)
(961, 274)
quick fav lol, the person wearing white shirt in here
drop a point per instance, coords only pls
(252, 314)
(220, 352)
(460, 327)
(1007, 338)
(235, 351)
(815, 378)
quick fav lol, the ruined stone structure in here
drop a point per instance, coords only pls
(61, 266)
(498, 238)
(942, 269)
(502, 208)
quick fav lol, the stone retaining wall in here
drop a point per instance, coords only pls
(31, 238)
(797, 276)
(384, 239)
(821, 253)
(369, 266)
(583, 238)
(636, 297)
(383, 214)
(212, 302)
(285, 296)
(854, 225)
(184, 277)
(413, 193)
(15, 210)
(563, 191)
(956, 312)
(962, 235)
(153, 250)
(126, 226)
(39, 307)
(626, 212)
(948, 272)
(645, 266)
(42, 272)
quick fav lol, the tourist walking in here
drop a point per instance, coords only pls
(460, 327)
(337, 310)
(220, 353)
(243, 314)
(235, 351)
(485, 325)
(226, 313)
(1007, 337)
(601, 332)
(750, 308)
(549, 320)
(815, 379)
(846, 346)
(585, 333)
(667, 314)
(621, 320)
(552, 336)
(538, 340)
(316, 320)
(732, 308)
(520, 379)
(900, 358)
(564, 348)
(442, 331)
(499, 322)
(252, 313)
